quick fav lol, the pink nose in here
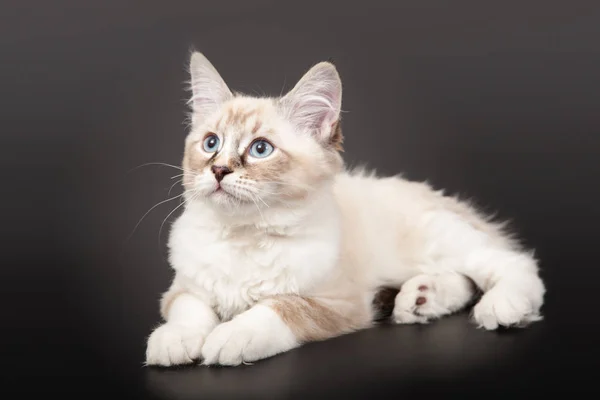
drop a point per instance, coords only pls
(220, 172)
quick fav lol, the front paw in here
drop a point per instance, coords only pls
(172, 344)
(258, 333)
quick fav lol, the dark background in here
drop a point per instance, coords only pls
(498, 101)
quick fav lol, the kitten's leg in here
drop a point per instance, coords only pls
(508, 277)
(513, 291)
(180, 339)
(279, 324)
(427, 296)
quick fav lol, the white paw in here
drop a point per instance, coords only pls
(427, 297)
(256, 334)
(172, 344)
(415, 301)
(226, 344)
(504, 307)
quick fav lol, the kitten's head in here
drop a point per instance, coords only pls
(244, 153)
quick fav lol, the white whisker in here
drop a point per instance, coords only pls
(298, 185)
(148, 212)
(250, 194)
(173, 185)
(158, 163)
(260, 212)
(260, 198)
(185, 201)
(263, 191)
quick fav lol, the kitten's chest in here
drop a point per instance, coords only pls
(231, 274)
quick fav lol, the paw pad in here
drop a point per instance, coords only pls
(421, 301)
(422, 288)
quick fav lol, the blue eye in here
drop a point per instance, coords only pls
(211, 143)
(261, 149)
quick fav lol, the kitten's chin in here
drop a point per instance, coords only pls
(222, 196)
(223, 200)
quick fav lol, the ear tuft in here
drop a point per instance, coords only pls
(314, 104)
(209, 90)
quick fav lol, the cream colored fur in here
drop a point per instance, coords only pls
(291, 247)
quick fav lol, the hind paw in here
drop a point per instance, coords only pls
(506, 308)
(427, 297)
(413, 303)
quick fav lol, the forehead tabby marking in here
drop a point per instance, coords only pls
(242, 116)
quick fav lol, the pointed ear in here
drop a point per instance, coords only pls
(315, 102)
(209, 90)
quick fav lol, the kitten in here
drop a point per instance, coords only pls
(278, 245)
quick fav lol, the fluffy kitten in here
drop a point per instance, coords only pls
(279, 245)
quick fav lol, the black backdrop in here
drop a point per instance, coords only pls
(497, 101)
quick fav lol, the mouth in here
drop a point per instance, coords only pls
(232, 195)
(220, 191)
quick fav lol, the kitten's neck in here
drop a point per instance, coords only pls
(280, 220)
